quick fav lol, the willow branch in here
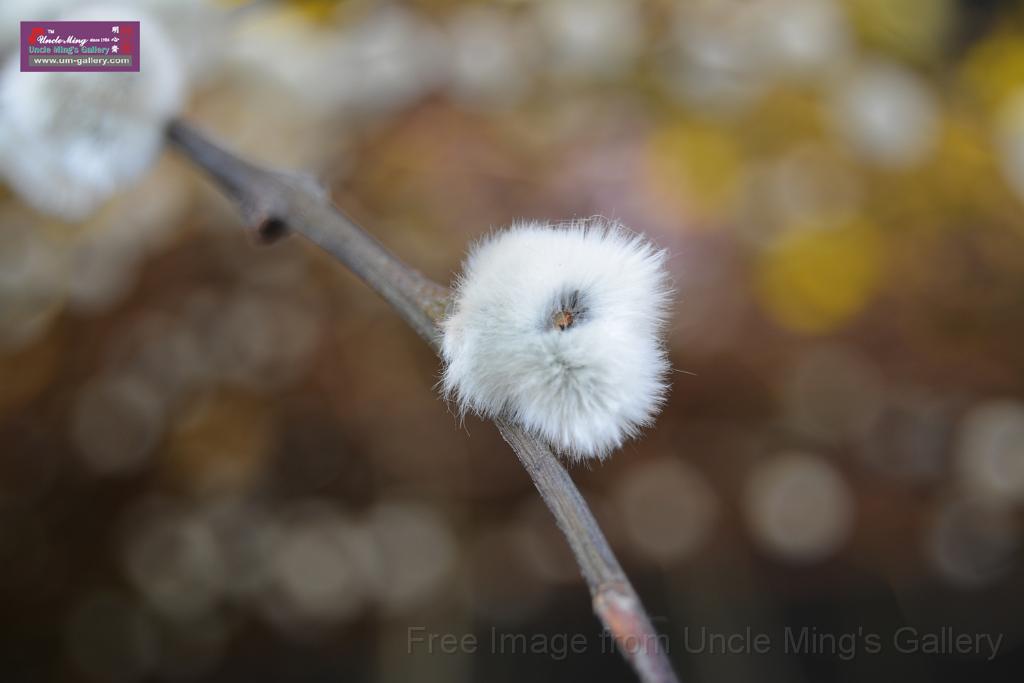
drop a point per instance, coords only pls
(274, 203)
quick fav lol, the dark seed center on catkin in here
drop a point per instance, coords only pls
(563, 319)
(569, 310)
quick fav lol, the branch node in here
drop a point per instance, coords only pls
(271, 229)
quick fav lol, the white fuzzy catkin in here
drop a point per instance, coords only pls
(71, 140)
(558, 327)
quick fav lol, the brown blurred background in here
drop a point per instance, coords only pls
(225, 462)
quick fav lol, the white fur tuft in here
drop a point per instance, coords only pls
(558, 327)
(69, 141)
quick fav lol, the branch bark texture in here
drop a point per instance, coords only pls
(273, 203)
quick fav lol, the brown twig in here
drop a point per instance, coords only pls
(275, 202)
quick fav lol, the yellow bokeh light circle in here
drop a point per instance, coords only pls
(815, 279)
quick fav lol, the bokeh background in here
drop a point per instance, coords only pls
(227, 462)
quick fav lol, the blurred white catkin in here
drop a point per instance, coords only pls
(69, 141)
(559, 327)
